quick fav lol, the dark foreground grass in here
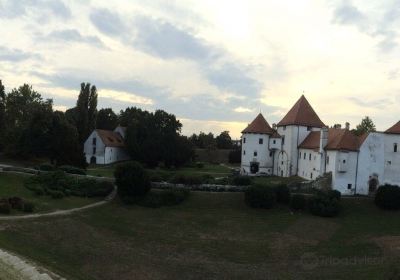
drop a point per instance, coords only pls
(13, 185)
(211, 236)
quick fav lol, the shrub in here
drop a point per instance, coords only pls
(259, 196)
(388, 197)
(131, 179)
(298, 202)
(282, 194)
(5, 207)
(46, 167)
(72, 170)
(16, 202)
(241, 181)
(324, 204)
(28, 207)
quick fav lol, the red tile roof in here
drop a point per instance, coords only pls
(302, 114)
(338, 139)
(110, 138)
(395, 129)
(259, 125)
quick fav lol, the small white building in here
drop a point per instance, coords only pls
(302, 145)
(106, 146)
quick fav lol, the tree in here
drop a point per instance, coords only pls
(366, 126)
(64, 137)
(26, 116)
(106, 119)
(86, 110)
(224, 140)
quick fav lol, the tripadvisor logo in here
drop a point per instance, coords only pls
(311, 261)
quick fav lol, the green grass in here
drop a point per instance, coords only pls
(13, 185)
(211, 235)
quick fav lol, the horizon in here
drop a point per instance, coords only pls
(235, 59)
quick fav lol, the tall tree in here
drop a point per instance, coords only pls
(86, 110)
(106, 119)
(366, 125)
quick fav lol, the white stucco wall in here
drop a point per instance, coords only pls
(294, 136)
(88, 148)
(309, 169)
(343, 165)
(392, 159)
(114, 154)
(264, 156)
(371, 161)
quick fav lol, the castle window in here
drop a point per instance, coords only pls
(389, 162)
(395, 147)
(311, 175)
(94, 150)
(274, 141)
(309, 157)
(305, 155)
(244, 140)
(283, 140)
(255, 153)
(344, 161)
(94, 141)
(349, 186)
(244, 152)
(260, 141)
(270, 154)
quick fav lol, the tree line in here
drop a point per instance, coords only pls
(30, 127)
(209, 141)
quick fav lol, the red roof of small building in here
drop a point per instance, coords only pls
(395, 129)
(338, 139)
(259, 125)
(302, 114)
(110, 138)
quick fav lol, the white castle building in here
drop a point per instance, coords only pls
(302, 145)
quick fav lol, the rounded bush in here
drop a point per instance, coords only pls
(131, 179)
(324, 205)
(259, 196)
(282, 194)
(298, 202)
(388, 197)
(72, 170)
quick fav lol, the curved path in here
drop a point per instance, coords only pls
(110, 197)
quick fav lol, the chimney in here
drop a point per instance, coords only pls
(323, 140)
(337, 126)
(347, 126)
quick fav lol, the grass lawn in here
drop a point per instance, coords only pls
(214, 170)
(13, 185)
(211, 236)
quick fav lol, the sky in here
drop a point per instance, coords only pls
(214, 64)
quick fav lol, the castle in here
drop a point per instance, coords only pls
(301, 144)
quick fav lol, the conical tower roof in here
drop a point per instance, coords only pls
(259, 125)
(302, 114)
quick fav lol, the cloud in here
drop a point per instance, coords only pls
(349, 14)
(377, 103)
(16, 55)
(108, 22)
(164, 40)
(383, 29)
(38, 8)
(72, 35)
(242, 110)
